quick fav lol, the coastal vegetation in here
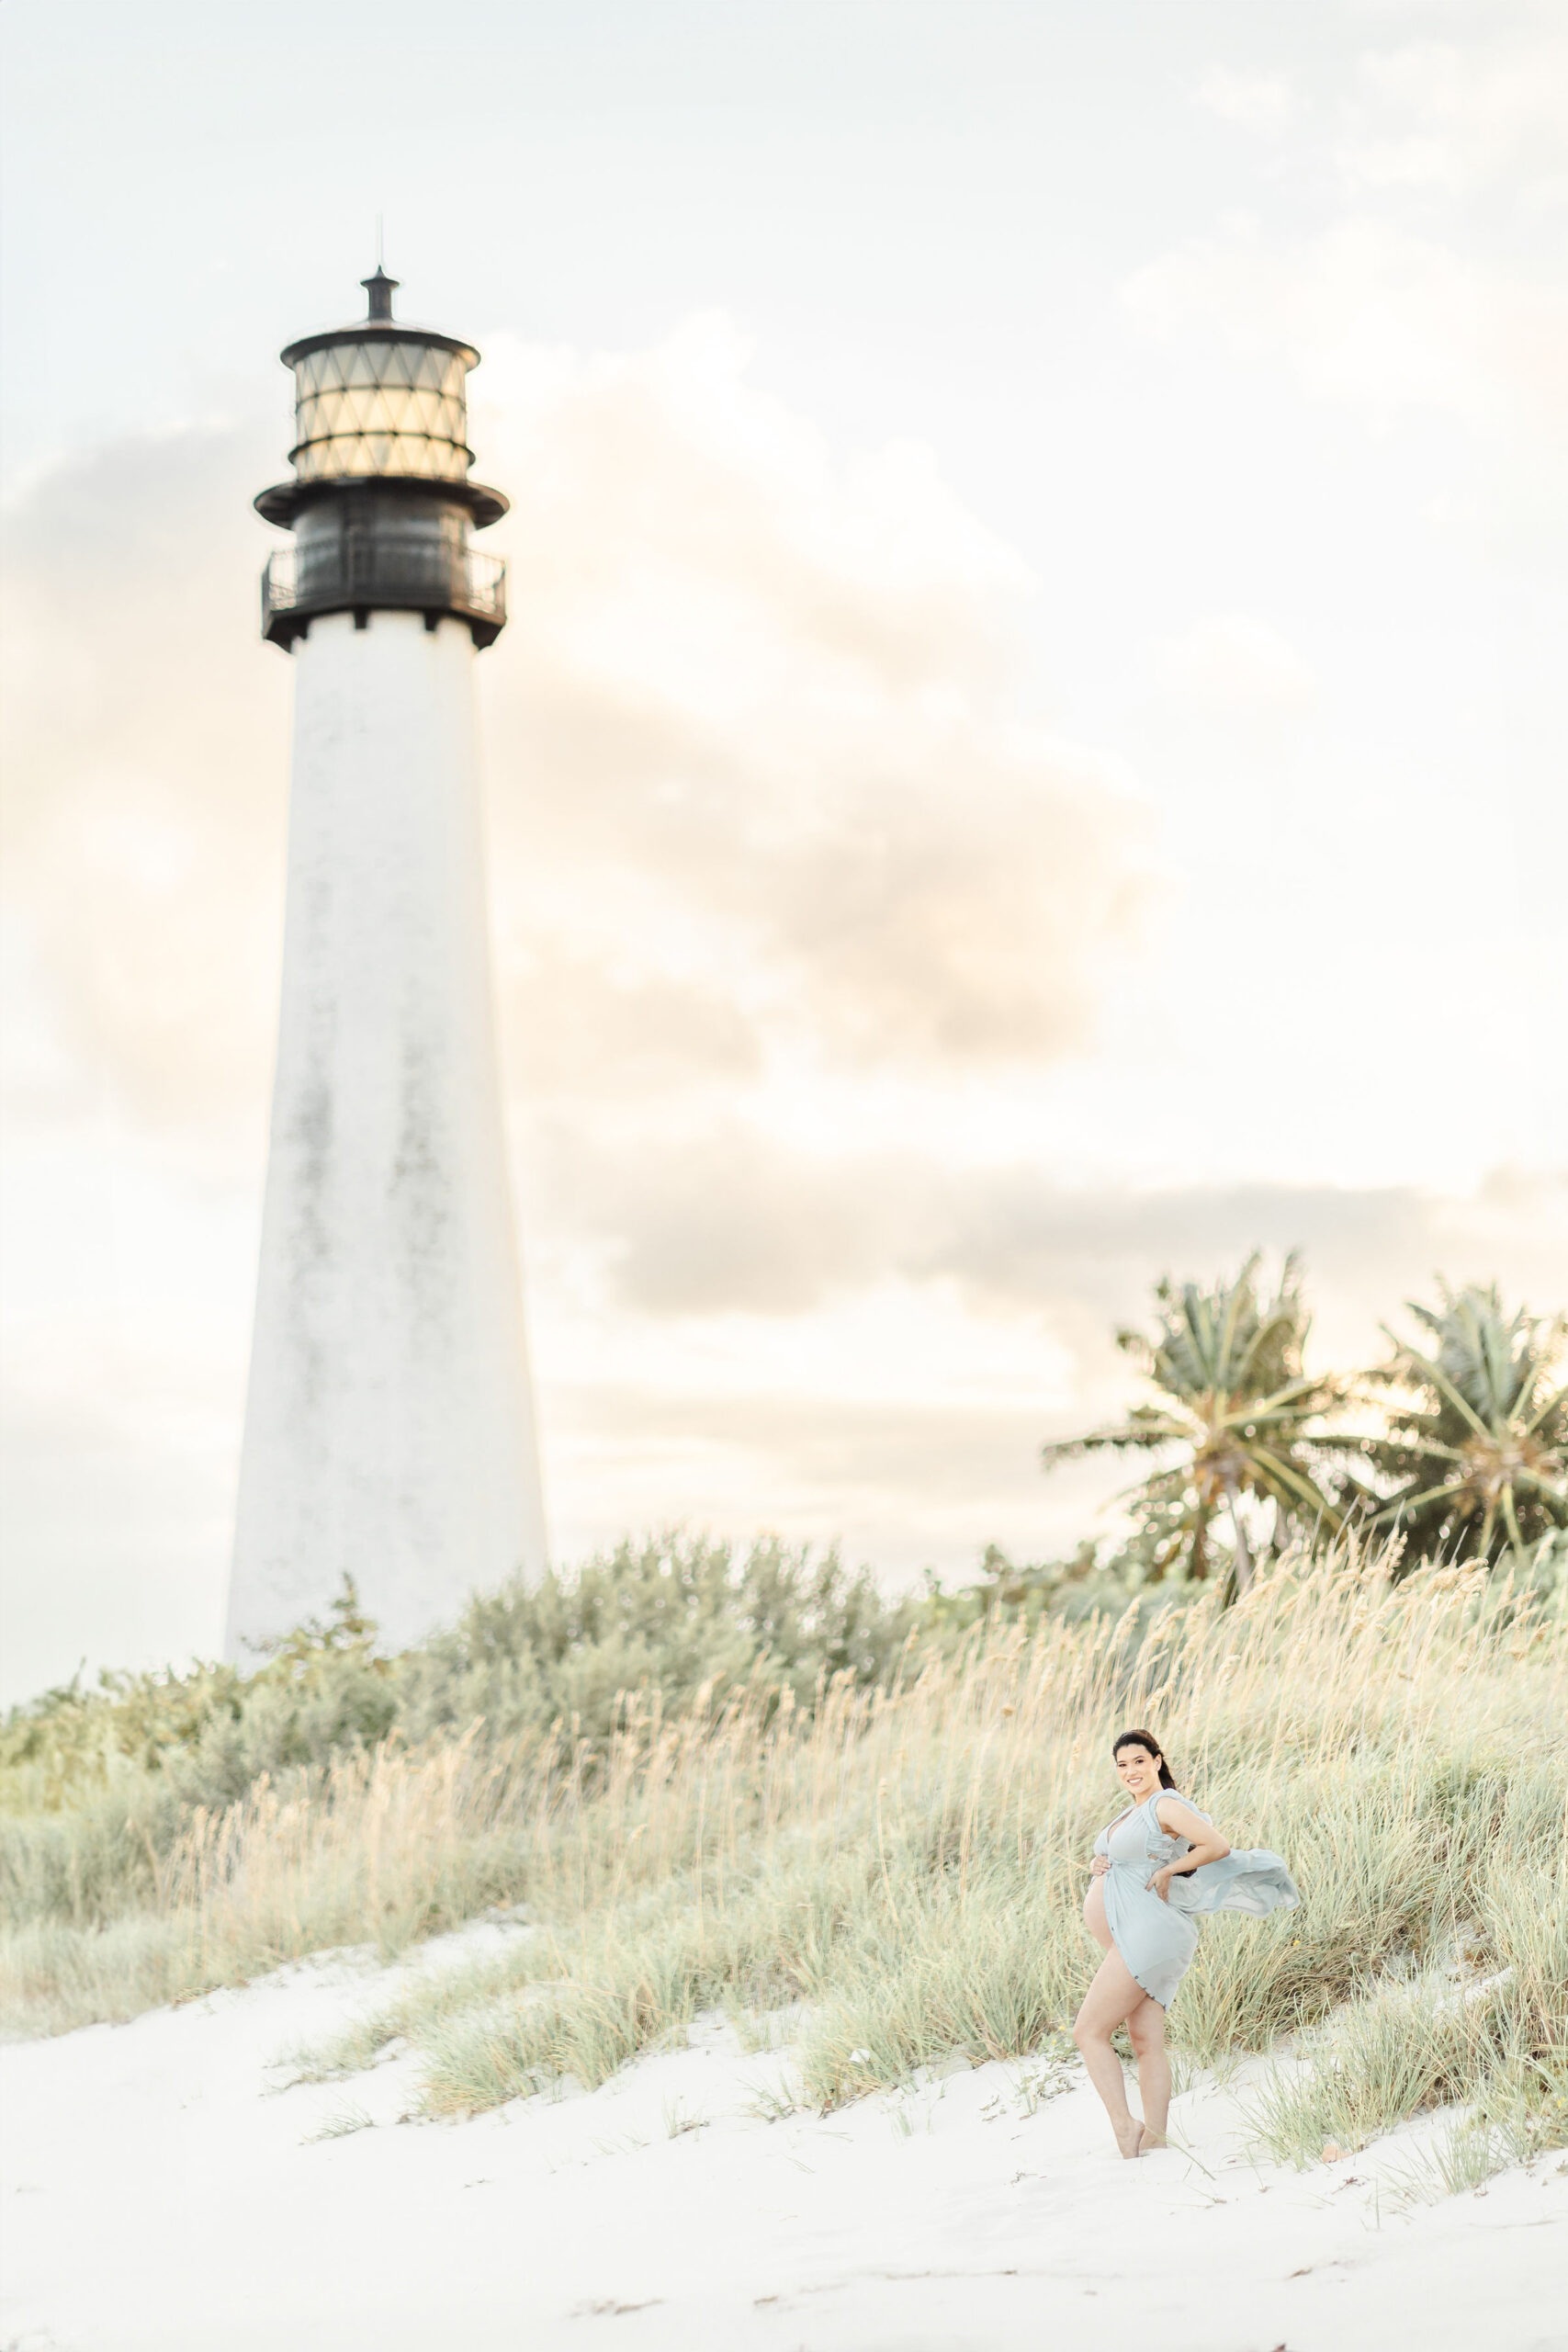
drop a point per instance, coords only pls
(1233, 1413)
(689, 1777)
(1460, 1444)
(1476, 1438)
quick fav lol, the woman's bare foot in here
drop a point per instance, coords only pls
(1151, 2139)
(1129, 2136)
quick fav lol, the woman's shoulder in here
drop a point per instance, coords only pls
(1179, 1804)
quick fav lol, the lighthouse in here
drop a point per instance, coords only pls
(389, 1429)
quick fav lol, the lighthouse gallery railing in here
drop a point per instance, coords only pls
(375, 569)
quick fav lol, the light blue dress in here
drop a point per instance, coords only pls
(1157, 1940)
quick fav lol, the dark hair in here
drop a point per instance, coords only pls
(1146, 1739)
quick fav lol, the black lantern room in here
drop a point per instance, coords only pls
(380, 505)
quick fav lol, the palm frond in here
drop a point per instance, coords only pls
(1477, 1395)
(1143, 1431)
(1435, 1377)
(1233, 1404)
(1289, 1483)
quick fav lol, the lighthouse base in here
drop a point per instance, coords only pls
(389, 1429)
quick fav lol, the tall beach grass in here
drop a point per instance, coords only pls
(907, 1860)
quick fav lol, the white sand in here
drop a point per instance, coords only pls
(164, 2193)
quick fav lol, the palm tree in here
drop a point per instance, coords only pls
(1234, 1407)
(1479, 1437)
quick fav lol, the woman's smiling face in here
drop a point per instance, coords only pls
(1137, 1771)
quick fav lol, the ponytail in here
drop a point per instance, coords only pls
(1146, 1739)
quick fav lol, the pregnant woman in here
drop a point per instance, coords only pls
(1156, 1868)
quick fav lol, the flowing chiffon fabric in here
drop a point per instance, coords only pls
(1157, 1940)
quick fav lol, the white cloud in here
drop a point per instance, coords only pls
(765, 736)
(146, 751)
(1434, 116)
(1232, 663)
(1264, 103)
(1370, 314)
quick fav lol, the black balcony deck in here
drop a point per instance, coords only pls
(363, 572)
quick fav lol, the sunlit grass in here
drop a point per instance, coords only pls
(921, 1898)
(899, 1871)
(1396, 2052)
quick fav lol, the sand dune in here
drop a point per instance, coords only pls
(166, 2190)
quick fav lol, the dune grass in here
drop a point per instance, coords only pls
(902, 1867)
(1495, 2044)
(380, 1850)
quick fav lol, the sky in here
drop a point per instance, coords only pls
(1029, 753)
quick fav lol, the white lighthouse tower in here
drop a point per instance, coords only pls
(389, 1427)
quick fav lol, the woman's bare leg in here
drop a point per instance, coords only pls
(1146, 2031)
(1113, 1995)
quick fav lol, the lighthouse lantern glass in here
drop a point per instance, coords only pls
(386, 405)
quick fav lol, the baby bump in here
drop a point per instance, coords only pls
(1094, 1916)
